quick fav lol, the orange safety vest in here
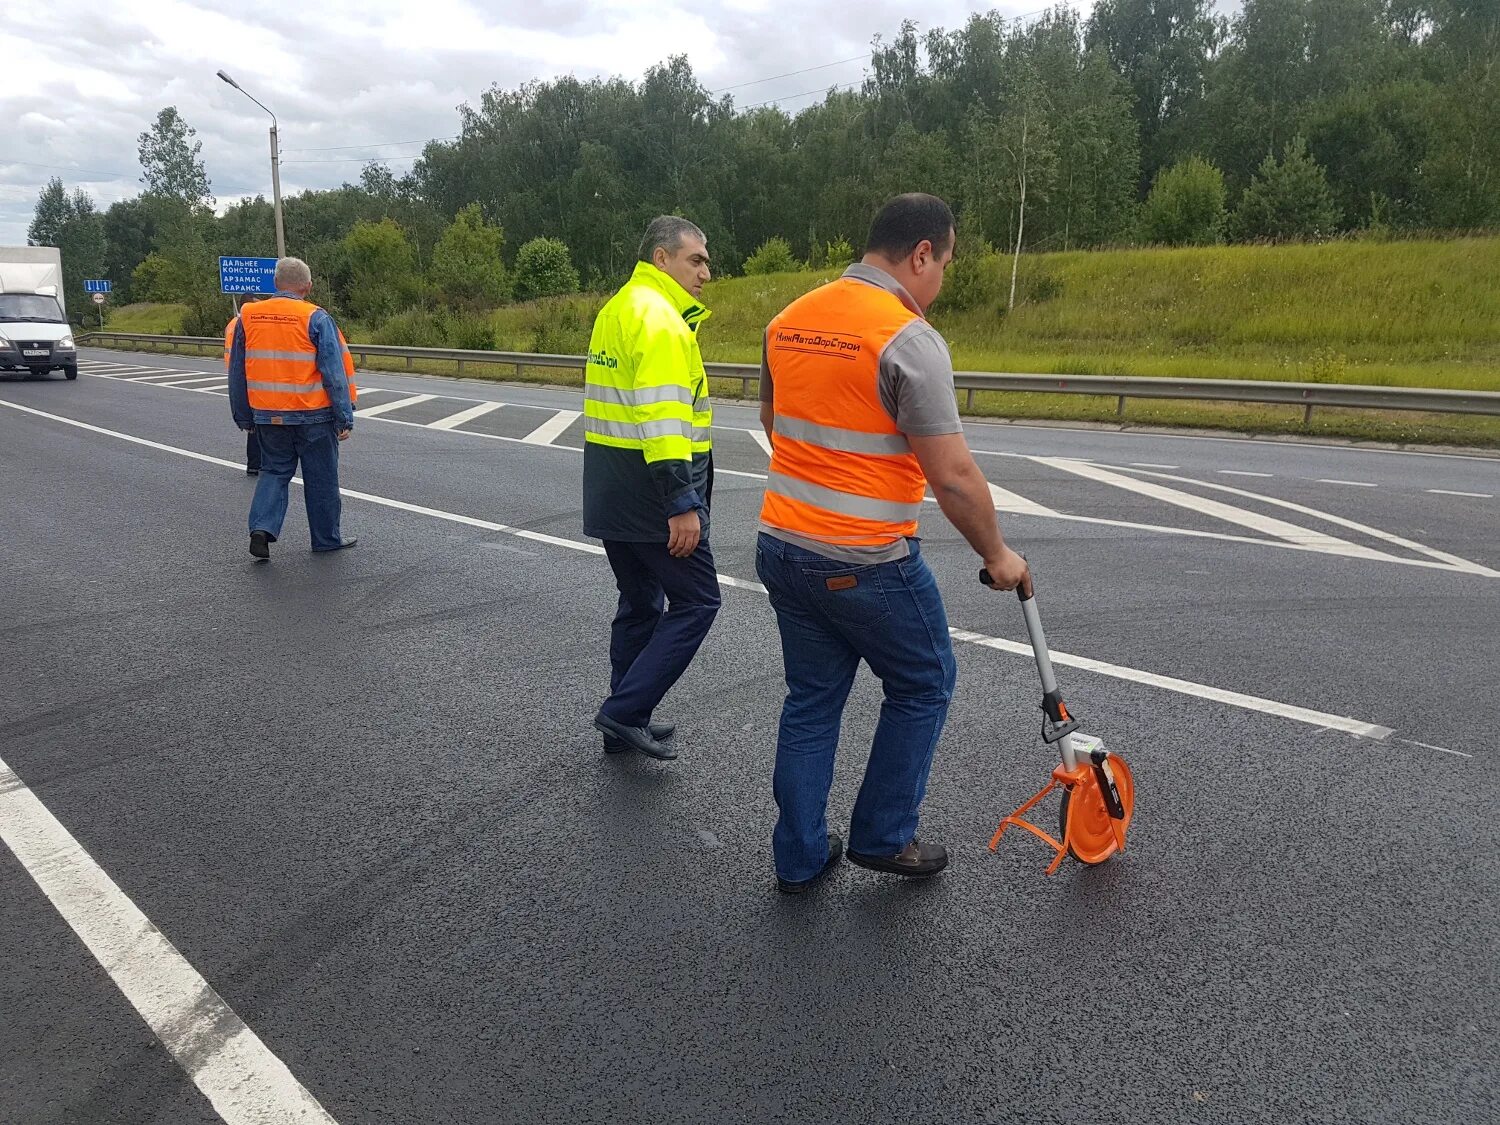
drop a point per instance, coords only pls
(229, 338)
(281, 362)
(841, 472)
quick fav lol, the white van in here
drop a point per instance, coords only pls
(35, 336)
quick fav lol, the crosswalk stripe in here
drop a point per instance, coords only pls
(396, 404)
(463, 416)
(550, 430)
(191, 381)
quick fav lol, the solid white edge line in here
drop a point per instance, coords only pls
(1185, 687)
(244, 1082)
(1462, 566)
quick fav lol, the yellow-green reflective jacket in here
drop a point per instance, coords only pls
(647, 418)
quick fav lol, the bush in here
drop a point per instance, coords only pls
(414, 328)
(470, 330)
(1186, 205)
(544, 268)
(774, 255)
(382, 265)
(838, 255)
(976, 278)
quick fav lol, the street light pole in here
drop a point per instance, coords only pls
(275, 167)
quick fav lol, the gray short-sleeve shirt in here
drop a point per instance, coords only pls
(916, 389)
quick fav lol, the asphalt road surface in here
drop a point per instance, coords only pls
(332, 839)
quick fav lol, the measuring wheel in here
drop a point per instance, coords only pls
(1095, 834)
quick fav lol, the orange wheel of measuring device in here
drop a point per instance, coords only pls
(1096, 834)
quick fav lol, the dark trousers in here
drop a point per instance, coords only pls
(252, 451)
(666, 608)
(282, 448)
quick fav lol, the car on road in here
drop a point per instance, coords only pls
(35, 336)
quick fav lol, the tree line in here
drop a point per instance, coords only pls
(1151, 122)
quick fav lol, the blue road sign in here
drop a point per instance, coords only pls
(96, 287)
(247, 275)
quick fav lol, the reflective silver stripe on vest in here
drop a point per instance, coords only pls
(702, 433)
(845, 441)
(262, 353)
(288, 388)
(844, 503)
(641, 431)
(641, 396)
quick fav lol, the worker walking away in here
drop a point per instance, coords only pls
(857, 397)
(291, 378)
(252, 441)
(648, 479)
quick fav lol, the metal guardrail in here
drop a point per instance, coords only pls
(1119, 387)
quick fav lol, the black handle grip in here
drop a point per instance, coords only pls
(1021, 594)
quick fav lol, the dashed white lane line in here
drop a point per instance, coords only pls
(1149, 465)
(394, 404)
(1170, 683)
(1471, 495)
(1241, 473)
(552, 429)
(1350, 483)
(477, 411)
(244, 1082)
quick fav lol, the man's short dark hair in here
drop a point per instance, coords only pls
(907, 221)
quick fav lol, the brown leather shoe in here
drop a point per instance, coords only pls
(915, 861)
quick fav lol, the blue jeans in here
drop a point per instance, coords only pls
(832, 615)
(316, 446)
(649, 649)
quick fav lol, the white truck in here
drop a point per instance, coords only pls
(35, 336)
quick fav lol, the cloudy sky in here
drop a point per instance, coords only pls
(350, 81)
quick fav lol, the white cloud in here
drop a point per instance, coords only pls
(346, 73)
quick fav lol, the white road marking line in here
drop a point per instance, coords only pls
(1148, 465)
(397, 404)
(194, 379)
(1430, 746)
(760, 439)
(463, 416)
(158, 376)
(1186, 687)
(1267, 525)
(550, 430)
(1351, 483)
(1448, 561)
(244, 1082)
(1241, 473)
(1451, 492)
(1007, 501)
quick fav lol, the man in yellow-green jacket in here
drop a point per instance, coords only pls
(648, 477)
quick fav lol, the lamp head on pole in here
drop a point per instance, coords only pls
(228, 79)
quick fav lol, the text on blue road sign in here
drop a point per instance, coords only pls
(247, 275)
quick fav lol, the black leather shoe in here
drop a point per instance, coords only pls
(346, 543)
(835, 853)
(659, 731)
(260, 544)
(915, 861)
(635, 738)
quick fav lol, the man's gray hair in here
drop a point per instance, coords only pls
(667, 232)
(292, 274)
